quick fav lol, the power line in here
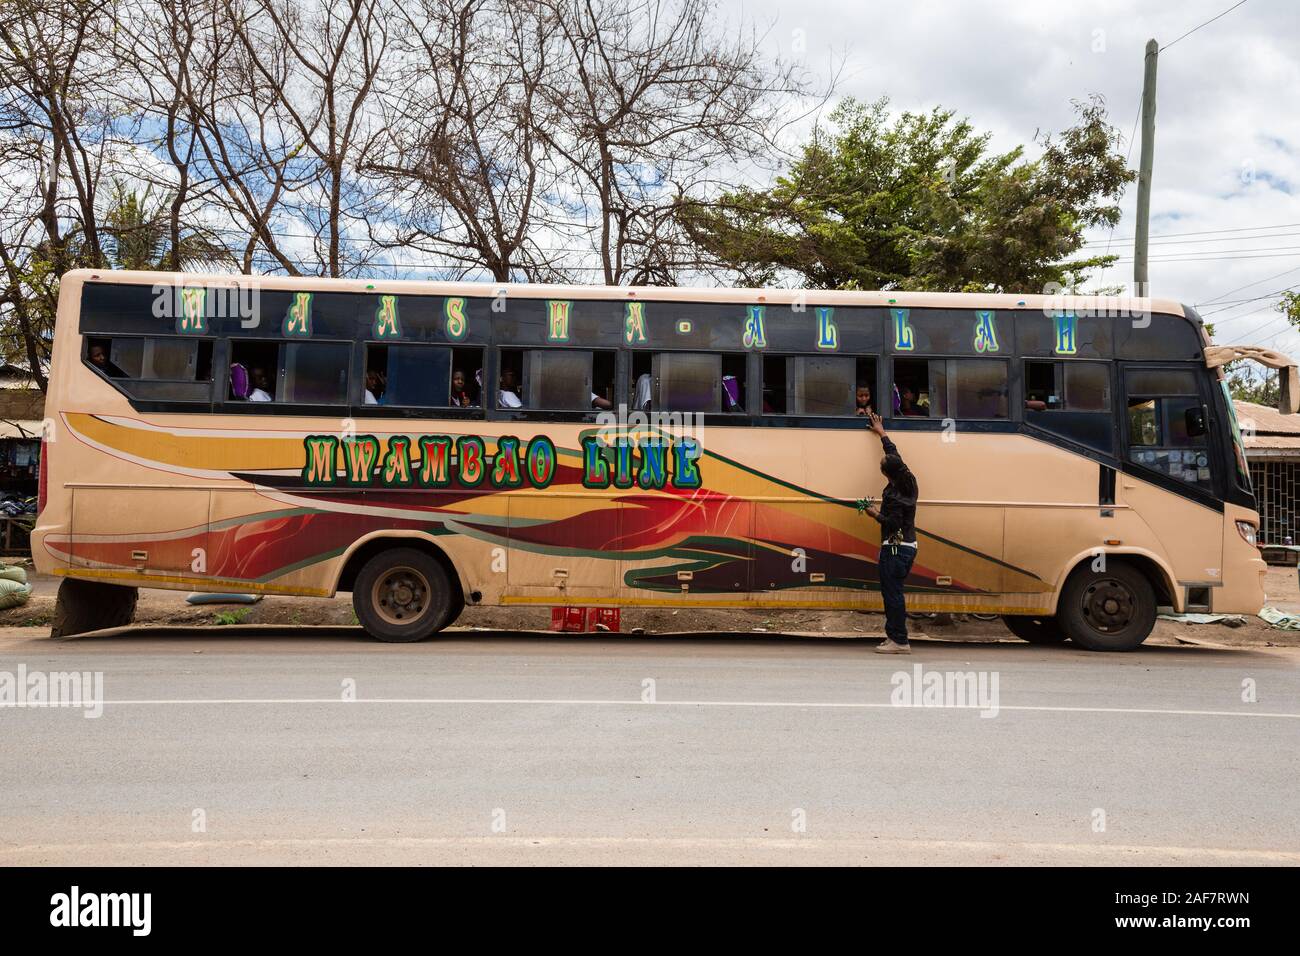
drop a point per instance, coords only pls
(1260, 328)
(1219, 323)
(1205, 24)
(1197, 242)
(1227, 252)
(1204, 232)
(1285, 272)
(1228, 306)
(1270, 255)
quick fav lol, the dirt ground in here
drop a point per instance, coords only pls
(169, 608)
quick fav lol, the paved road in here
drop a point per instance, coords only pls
(215, 748)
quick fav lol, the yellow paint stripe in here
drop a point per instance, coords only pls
(913, 605)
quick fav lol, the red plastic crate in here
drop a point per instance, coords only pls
(568, 619)
(585, 618)
(607, 616)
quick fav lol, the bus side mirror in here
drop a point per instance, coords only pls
(1194, 420)
(1288, 373)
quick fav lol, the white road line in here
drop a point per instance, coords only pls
(589, 702)
(677, 843)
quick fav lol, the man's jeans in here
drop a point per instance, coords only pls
(895, 565)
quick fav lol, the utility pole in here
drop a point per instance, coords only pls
(1140, 278)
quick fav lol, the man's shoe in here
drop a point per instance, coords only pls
(889, 647)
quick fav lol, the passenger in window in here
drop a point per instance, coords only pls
(907, 402)
(641, 400)
(897, 518)
(460, 397)
(604, 404)
(863, 399)
(261, 391)
(376, 385)
(731, 394)
(508, 393)
(98, 355)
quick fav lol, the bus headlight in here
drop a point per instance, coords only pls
(1247, 532)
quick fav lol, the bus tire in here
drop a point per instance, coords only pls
(84, 606)
(1035, 630)
(454, 609)
(1111, 610)
(402, 595)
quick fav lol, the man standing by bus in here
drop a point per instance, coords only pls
(897, 517)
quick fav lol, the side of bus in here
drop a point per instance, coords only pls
(1074, 474)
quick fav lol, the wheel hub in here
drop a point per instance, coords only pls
(1109, 605)
(401, 596)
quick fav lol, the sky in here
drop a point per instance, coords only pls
(1227, 144)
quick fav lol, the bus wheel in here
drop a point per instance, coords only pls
(402, 595)
(1111, 610)
(91, 606)
(1035, 630)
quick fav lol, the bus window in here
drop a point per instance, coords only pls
(864, 398)
(951, 388)
(1067, 386)
(603, 366)
(315, 373)
(733, 384)
(977, 388)
(640, 382)
(422, 376)
(161, 369)
(1166, 425)
(774, 392)
(253, 371)
(822, 385)
(100, 354)
(698, 382)
(818, 385)
(911, 398)
(1070, 399)
(466, 377)
(557, 379)
(508, 388)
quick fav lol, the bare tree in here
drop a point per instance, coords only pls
(313, 72)
(464, 161)
(162, 45)
(59, 132)
(537, 139)
(656, 104)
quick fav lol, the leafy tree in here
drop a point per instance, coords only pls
(138, 235)
(918, 202)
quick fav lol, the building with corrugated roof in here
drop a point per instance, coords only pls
(1272, 443)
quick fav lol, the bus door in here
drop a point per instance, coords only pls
(1172, 467)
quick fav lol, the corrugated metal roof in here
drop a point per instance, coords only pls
(1262, 419)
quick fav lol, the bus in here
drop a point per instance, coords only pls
(428, 445)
